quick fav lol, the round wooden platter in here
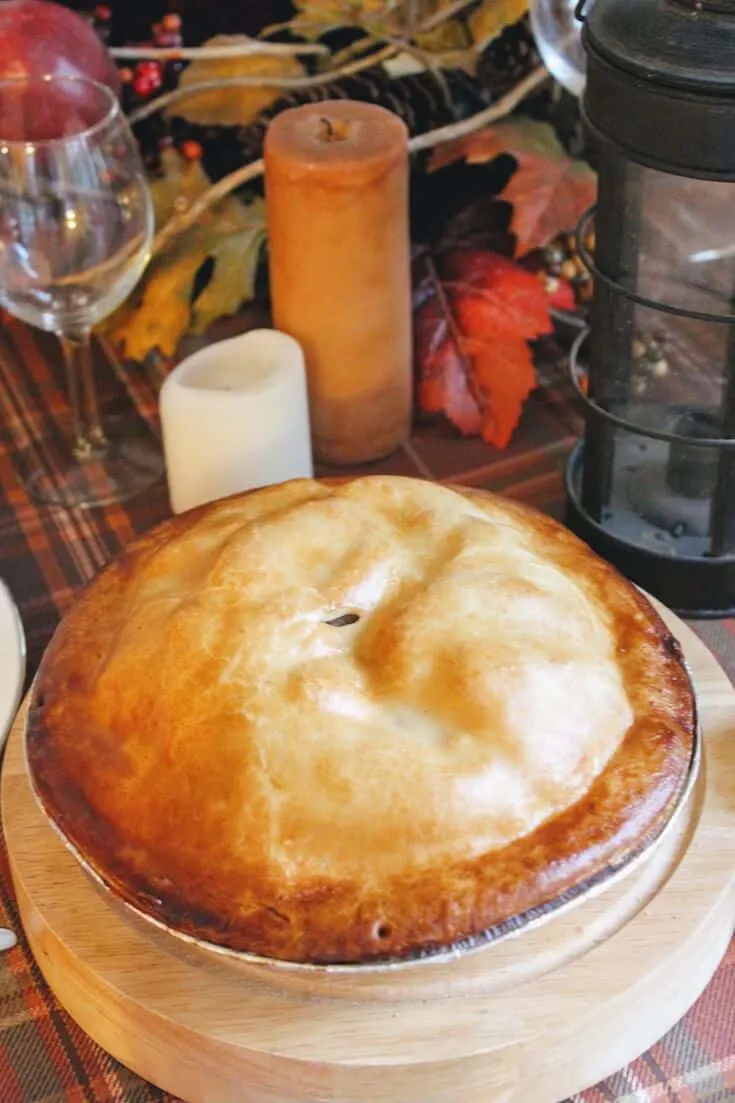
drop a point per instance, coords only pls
(531, 1019)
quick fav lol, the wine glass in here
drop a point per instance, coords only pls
(76, 226)
(558, 35)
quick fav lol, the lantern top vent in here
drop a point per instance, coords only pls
(686, 44)
(661, 82)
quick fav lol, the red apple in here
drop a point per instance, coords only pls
(38, 38)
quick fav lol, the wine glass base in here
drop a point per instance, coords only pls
(131, 463)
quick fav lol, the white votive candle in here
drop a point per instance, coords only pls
(235, 417)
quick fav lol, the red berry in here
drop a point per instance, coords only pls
(143, 86)
(192, 150)
(103, 12)
(171, 22)
(149, 71)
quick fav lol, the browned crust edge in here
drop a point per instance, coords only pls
(630, 802)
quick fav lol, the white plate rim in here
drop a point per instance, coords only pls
(11, 630)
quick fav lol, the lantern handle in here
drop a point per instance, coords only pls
(579, 10)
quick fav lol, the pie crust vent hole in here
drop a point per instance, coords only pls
(343, 620)
(383, 931)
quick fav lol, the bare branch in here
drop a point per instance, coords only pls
(184, 219)
(445, 14)
(319, 79)
(411, 16)
(431, 64)
(355, 49)
(431, 138)
(216, 53)
(491, 114)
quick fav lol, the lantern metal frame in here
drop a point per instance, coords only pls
(690, 585)
(701, 583)
(575, 375)
(626, 105)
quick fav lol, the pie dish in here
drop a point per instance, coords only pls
(357, 721)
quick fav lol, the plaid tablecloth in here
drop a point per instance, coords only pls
(46, 556)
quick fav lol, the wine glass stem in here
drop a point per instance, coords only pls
(88, 434)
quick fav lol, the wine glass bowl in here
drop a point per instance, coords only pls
(558, 36)
(76, 226)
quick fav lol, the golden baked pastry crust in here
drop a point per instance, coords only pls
(502, 717)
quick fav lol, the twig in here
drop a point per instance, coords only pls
(432, 64)
(216, 53)
(411, 23)
(491, 114)
(444, 14)
(326, 77)
(297, 25)
(411, 16)
(183, 220)
(355, 49)
(431, 138)
(399, 42)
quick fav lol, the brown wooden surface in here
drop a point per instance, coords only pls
(529, 1020)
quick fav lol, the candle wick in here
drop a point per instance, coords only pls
(333, 131)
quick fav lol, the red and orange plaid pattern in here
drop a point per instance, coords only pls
(47, 555)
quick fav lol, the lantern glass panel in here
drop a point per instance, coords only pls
(665, 370)
(687, 242)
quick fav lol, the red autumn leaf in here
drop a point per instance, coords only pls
(474, 317)
(502, 392)
(549, 191)
(443, 366)
(495, 295)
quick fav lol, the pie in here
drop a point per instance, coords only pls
(360, 720)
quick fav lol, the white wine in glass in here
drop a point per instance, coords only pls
(76, 226)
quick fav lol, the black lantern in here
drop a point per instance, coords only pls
(652, 485)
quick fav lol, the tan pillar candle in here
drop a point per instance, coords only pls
(336, 177)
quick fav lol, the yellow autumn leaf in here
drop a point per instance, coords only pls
(454, 38)
(232, 106)
(162, 307)
(179, 182)
(348, 10)
(235, 259)
(490, 19)
(380, 16)
(451, 35)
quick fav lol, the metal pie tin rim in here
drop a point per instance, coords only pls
(508, 928)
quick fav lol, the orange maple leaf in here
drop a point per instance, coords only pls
(473, 321)
(492, 295)
(549, 191)
(504, 376)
